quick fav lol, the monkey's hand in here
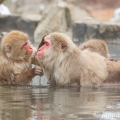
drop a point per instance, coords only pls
(26, 77)
(38, 70)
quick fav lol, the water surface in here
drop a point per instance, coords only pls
(45, 103)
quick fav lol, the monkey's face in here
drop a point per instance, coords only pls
(44, 45)
(15, 45)
(19, 51)
(28, 49)
(53, 45)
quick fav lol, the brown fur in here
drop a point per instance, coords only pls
(15, 65)
(95, 45)
(113, 69)
(70, 65)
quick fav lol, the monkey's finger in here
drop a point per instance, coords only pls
(39, 72)
(38, 68)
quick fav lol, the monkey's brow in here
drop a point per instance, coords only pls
(24, 44)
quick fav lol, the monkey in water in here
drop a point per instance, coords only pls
(65, 64)
(96, 45)
(16, 57)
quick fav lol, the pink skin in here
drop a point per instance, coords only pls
(28, 48)
(40, 53)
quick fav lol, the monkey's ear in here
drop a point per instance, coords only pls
(8, 48)
(63, 47)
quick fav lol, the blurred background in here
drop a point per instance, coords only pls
(100, 9)
(80, 19)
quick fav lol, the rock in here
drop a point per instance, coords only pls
(77, 12)
(8, 23)
(87, 29)
(79, 31)
(31, 17)
(56, 19)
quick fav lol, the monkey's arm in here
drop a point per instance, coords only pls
(26, 77)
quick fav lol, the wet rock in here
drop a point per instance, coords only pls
(8, 23)
(86, 29)
(79, 31)
(56, 19)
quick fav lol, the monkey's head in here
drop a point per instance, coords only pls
(55, 44)
(16, 46)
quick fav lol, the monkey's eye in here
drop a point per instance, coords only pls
(63, 46)
(46, 43)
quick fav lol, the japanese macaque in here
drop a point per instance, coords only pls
(95, 45)
(16, 57)
(65, 64)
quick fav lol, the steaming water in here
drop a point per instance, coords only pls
(65, 103)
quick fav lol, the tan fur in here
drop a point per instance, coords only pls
(70, 66)
(13, 59)
(113, 69)
(96, 45)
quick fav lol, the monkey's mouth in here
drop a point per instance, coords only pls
(40, 55)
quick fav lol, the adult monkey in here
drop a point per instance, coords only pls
(16, 58)
(65, 64)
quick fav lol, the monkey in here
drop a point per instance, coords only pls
(16, 58)
(96, 45)
(66, 65)
(99, 46)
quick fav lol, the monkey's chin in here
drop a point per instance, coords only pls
(39, 57)
(30, 53)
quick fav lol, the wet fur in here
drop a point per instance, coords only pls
(72, 66)
(16, 61)
(96, 45)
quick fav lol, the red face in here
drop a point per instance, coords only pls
(40, 53)
(28, 48)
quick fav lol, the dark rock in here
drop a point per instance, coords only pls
(79, 31)
(84, 30)
(8, 23)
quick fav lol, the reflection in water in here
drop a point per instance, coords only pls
(57, 103)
